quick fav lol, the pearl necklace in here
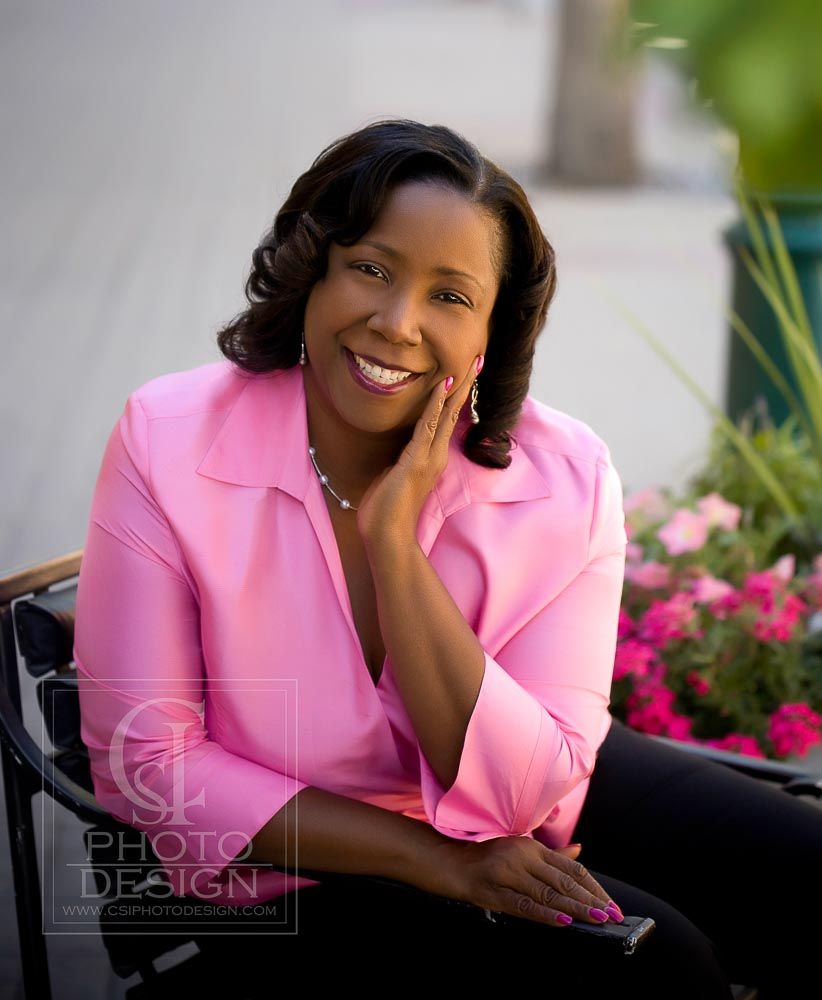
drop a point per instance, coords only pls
(345, 504)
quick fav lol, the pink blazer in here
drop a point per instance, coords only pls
(220, 670)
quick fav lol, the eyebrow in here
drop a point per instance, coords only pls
(439, 269)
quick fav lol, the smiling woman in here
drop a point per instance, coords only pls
(350, 599)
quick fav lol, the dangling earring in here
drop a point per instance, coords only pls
(302, 349)
(474, 394)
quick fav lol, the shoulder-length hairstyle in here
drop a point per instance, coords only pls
(339, 198)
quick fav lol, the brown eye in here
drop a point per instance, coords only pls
(457, 301)
(358, 267)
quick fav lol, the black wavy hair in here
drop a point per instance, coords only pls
(339, 198)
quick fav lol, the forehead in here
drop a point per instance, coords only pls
(435, 225)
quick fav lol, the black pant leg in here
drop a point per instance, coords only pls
(347, 938)
(739, 857)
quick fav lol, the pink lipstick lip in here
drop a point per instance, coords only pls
(378, 390)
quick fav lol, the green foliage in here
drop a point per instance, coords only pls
(790, 457)
(756, 64)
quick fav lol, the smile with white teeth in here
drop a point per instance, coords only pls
(387, 376)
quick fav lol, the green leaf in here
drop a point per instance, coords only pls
(779, 495)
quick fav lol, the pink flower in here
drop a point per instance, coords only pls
(781, 625)
(666, 620)
(633, 552)
(737, 743)
(784, 568)
(649, 709)
(727, 605)
(719, 512)
(626, 625)
(698, 682)
(794, 729)
(632, 657)
(685, 532)
(760, 589)
(650, 503)
(708, 588)
(649, 575)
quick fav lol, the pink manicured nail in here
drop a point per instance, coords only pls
(598, 914)
(614, 914)
(563, 918)
(449, 382)
(480, 363)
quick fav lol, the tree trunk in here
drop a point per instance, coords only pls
(593, 127)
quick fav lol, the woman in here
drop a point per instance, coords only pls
(349, 600)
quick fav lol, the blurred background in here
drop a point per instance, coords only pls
(149, 145)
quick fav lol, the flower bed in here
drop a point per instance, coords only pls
(712, 648)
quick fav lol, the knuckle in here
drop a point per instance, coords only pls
(550, 896)
(524, 906)
(580, 871)
(567, 883)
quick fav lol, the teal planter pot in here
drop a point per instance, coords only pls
(800, 218)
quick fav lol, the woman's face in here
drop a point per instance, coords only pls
(420, 301)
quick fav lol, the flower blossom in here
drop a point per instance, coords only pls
(698, 682)
(626, 625)
(727, 605)
(650, 504)
(666, 620)
(649, 575)
(649, 709)
(632, 657)
(708, 588)
(785, 567)
(737, 743)
(633, 552)
(719, 512)
(685, 532)
(760, 589)
(780, 626)
(794, 728)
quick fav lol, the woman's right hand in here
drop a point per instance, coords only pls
(521, 877)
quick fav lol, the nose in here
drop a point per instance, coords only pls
(396, 319)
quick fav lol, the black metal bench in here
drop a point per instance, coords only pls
(36, 635)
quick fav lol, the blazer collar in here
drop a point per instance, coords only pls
(263, 441)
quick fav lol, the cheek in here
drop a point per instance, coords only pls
(343, 296)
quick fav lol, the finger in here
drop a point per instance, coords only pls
(579, 872)
(458, 393)
(571, 851)
(551, 887)
(417, 452)
(444, 419)
(525, 906)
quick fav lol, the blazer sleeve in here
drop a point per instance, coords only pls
(140, 667)
(543, 702)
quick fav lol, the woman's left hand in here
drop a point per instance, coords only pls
(390, 508)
